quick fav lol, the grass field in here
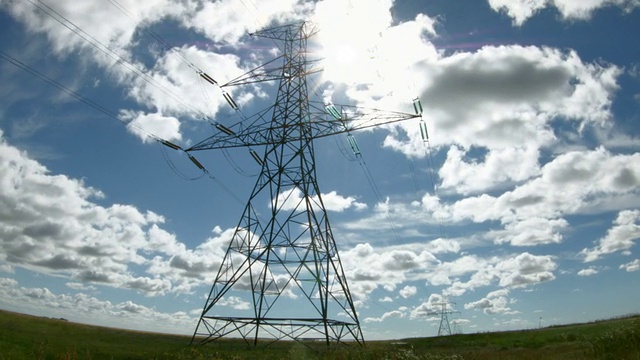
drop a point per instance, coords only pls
(29, 337)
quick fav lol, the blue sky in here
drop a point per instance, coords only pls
(532, 109)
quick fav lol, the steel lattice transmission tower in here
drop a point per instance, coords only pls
(287, 255)
(444, 328)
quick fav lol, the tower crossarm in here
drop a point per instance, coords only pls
(332, 119)
(303, 30)
(323, 120)
(270, 72)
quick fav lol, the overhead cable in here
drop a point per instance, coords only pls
(111, 53)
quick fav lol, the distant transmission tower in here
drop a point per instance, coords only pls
(444, 312)
(283, 252)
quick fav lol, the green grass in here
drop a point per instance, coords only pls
(28, 337)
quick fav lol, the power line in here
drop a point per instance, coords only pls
(95, 43)
(28, 69)
(132, 67)
(378, 195)
(414, 177)
(59, 86)
(153, 34)
(367, 173)
(203, 77)
(424, 133)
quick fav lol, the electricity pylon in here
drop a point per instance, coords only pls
(286, 258)
(444, 328)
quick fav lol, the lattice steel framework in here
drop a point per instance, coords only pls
(444, 328)
(289, 252)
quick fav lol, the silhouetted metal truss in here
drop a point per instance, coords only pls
(444, 328)
(292, 253)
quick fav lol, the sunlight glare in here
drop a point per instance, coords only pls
(349, 33)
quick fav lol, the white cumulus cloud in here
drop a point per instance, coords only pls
(521, 10)
(622, 236)
(631, 266)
